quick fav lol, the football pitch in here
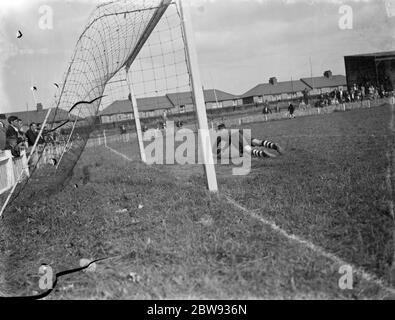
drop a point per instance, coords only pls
(283, 231)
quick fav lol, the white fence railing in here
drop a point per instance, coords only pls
(11, 169)
(308, 111)
(103, 140)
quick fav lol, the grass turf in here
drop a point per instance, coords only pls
(186, 243)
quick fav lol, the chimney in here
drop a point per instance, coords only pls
(273, 80)
(328, 74)
(39, 107)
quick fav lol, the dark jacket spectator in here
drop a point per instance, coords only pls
(306, 96)
(291, 110)
(14, 140)
(32, 135)
(266, 110)
(122, 129)
(2, 136)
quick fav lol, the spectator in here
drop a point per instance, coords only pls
(371, 92)
(179, 123)
(2, 136)
(266, 110)
(376, 94)
(14, 140)
(164, 116)
(123, 129)
(340, 98)
(291, 110)
(347, 96)
(32, 135)
(20, 126)
(381, 91)
(302, 105)
(46, 134)
(306, 96)
(363, 92)
(22, 132)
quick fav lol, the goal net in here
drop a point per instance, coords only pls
(130, 71)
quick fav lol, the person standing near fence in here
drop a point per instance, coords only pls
(243, 141)
(14, 140)
(2, 136)
(291, 110)
(32, 135)
(266, 109)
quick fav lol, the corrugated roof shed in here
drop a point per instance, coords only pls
(325, 82)
(374, 54)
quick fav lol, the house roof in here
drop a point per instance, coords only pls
(325, 82)
(210, 95)
(214, 95)
(165, 102)
(278, 88)
(39, 116)
(180, 98)
(143, 104)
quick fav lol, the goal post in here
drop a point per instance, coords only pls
(132, 97)
(195, 83)
(198, 95)
(133, 101)
(153, 42)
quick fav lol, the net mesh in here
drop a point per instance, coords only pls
(127, 47)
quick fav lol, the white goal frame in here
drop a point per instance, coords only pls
(197, 89)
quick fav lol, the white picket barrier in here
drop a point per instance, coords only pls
(11, 168)
(7, 178)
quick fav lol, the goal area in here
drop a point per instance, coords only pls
(131, 59)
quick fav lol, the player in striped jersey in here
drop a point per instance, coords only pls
(242, 140)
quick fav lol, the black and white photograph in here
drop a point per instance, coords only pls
(212, 151)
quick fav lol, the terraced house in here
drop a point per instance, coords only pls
(172, 103)
(274, 91)
(325, 83)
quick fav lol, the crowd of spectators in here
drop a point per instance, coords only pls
(354, 93)
(17, 137)
(338, 96)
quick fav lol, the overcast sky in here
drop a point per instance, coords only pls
(240, 43)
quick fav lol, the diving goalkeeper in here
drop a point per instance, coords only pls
(242, 140)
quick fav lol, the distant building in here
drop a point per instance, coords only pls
(274, 91)
(377, 69)
(172, 103)
(325, 84)
(214, 99)
(38, 116)
(121, 110)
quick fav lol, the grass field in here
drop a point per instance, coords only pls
(331, 188)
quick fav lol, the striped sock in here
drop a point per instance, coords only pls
(269, 145)
(258, 153)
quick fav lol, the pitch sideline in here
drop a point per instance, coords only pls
(317, 249)
(294, 238)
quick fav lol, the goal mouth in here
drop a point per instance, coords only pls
(112, 39)
(131, 67)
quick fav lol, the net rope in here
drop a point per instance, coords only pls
(107, 54)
